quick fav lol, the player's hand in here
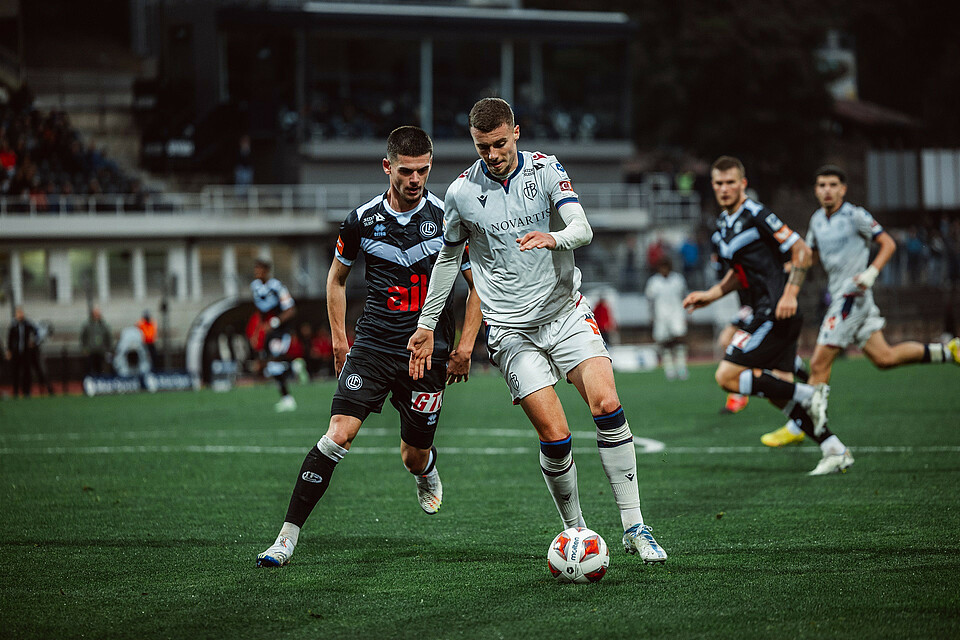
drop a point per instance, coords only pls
(865, 279)
(786, 307)
(420, 347)
(537, 240)
(695, 300)
(458, 366)
(340, 351)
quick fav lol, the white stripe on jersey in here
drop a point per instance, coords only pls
(395, 254)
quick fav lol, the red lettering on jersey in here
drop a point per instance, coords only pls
(565, 185)
(408, 299)
(740, 339)
(741, 276)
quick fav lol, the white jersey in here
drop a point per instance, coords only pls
(843, 240)
(666, 295)
(516, 288)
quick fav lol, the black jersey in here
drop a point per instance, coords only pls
(399, 251)
(756, 244)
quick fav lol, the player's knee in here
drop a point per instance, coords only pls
(725, 380)
(605, 405)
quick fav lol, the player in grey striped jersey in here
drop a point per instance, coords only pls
(523, 219)
(841, 235)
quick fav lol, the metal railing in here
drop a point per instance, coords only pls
(330, 202)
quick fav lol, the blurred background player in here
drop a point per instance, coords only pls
(277, 308)
(96, 342)
(21, 339)
(540, 330)
(841, 235)
(148, 327)
(400, 234)
(666, 290)
(755, 245)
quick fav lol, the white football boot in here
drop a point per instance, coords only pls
(277, 555)
(430, 491)
(817, 407)
(833, 463)
(638, 539)
(286, 403)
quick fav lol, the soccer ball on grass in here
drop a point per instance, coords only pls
(578, 555)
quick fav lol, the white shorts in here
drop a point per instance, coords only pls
(850, 320)
(538, 357)
(669, 327)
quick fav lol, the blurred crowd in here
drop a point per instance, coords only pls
(44, 162)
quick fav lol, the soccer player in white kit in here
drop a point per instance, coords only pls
(841, 234)
(666, 289)
(522, 218)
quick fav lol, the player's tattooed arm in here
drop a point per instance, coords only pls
(801, 258)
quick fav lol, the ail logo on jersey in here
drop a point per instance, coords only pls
(408, 298)
(565, 185)
(538, 155)
(530, 190)
(483, 201)
(426, 402)
(339, 245)
(560, 169)
(428, 229)
(379, 231)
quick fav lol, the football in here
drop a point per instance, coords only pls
(578, 555)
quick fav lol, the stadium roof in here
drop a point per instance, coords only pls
(422, 20)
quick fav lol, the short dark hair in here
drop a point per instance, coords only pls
(725, 163)
(489, 113)
(262, 262)
(408, 141)
(832, 170)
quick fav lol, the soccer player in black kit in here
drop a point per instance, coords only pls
(400, 233)
(755, 245)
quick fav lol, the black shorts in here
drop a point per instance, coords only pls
(276, 344)
(762, 341)
(368, 376)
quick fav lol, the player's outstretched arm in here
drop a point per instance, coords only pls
(337, 312)
(698, 299)
(420, 347)
(458, 366)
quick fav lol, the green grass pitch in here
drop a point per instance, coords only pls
(141, 517)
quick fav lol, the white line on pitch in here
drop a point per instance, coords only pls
(477, 451)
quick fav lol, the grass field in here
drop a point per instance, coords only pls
(141, 517)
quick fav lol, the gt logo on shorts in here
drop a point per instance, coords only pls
(740, 339)
(424, 402)
(353, 382)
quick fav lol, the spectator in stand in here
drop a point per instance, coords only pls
(607, 325)
(96, 342)
(148, 327)
(692, 264)
(321, 350)
(21, 338)
(656, 252)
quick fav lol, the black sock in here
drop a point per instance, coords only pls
(802, 418)
(311, 484)
(282, 383)
(768, 385)
(431, 463)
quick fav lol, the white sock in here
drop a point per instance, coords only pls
(680, 353)
(619, 459)
(832, 446)
(802, 392)
(291, 531)
(668, 367)
(560, 474)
